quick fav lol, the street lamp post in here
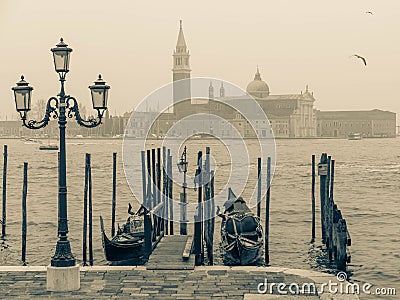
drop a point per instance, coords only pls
(60, 108)
(182, 167)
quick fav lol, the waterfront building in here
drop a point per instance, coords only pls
(290, 115)
(368, 123)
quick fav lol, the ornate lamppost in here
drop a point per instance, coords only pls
(60, 108)
(182, 167)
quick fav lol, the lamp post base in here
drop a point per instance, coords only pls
(63, 256)
(63, 279)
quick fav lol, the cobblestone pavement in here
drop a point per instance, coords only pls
(139, 283)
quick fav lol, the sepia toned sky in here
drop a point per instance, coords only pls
(130, 43)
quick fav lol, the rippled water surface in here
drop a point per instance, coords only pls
(366, 190)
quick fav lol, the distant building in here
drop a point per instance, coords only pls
(11, 129)
(372, 123)
(291, 115)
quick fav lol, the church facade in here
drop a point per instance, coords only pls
(291, 115)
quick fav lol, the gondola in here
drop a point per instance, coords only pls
(128, 243)
(241, 233)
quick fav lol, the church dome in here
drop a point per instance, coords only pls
(258, 88)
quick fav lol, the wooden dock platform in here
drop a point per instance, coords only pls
(172, 253)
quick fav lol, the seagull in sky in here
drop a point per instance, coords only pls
(362, 58)
(369, 12)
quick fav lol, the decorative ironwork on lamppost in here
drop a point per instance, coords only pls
(182, 167)
(61, 107)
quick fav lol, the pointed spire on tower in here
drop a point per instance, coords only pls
(211, 91)
(258, 75)
(181, 68)
(222, 90)
(181, 43)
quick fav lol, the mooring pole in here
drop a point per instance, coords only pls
(211, 257)
(327, 202)
(332, 177)
(147, 221)
(267, 201)
(206, 202)
(3, 222)
(199, 219)
(322, 172)
(153, 176)
(114, 194)
(170, 193)
(330, 209)
(148, 187)
(24, 224)
(153, 190)
(160, 217)
(165, 189)
(85, 211)
(313, 198)
(90, 214)
(259, 187)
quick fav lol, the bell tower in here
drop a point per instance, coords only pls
(181, 69)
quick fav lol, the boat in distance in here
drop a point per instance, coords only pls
(241, 232)
(48, 147)
(128, 243)
(354, 136)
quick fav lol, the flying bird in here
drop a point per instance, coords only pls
(362, 58)
(369, 12)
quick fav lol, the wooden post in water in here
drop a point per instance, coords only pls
(147, 221)
(313, 198)
(327, 204)
(259, 187)
(170, 195)
(160, 221)
(24, 223)
(322, 172)
(211, 258)
(85, 211)
(148, 186)
(153, 190)
(165, 188)
(330, 208)
(267, 203)
(207, 206)
(114, 194)
(332, 177)
(198, 236)
(4, 218)
(153, 176)
(341, 245)
(90, 213)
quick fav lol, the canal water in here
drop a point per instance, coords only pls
(366, 190)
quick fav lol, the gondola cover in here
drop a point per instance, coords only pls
(241, 232)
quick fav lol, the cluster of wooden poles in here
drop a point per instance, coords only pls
(87, 210)
(204, 220)
(157, 197)
(335, 234)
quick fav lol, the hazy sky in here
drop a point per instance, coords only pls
(130, 43)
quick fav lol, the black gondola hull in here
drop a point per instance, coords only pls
(118, 252)
(115, 250)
